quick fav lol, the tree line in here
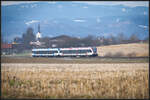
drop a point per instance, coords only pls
(92, 41)
(67, 41)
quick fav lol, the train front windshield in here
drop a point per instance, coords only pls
(95, 50)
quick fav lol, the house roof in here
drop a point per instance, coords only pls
(6, 46)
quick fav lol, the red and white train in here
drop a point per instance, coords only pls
(65, 52)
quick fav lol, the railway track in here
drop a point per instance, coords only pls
(97, 57)
(27, 59)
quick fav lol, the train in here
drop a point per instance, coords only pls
(65, 52)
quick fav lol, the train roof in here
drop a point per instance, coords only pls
(81, 48)
(73, 48)
(45, 49)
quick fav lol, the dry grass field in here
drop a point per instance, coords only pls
(139, 49)
(115, 80)
(104, 78)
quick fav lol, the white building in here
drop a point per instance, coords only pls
(38, 35)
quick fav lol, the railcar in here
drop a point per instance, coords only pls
(65, 52)
(45, 52)
(78, 52)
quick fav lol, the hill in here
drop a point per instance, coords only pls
(61, 37)
(79, 20)
(138, 49)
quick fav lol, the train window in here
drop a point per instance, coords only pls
(89, 51)
(64, 51)
(94, 50)
(44, 52)
(84, 51)
(53, 52)
(78, 51)
(74, 51)
(68, 51)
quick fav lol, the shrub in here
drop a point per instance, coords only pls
(109, 54)
(118, 54)
(133, 54)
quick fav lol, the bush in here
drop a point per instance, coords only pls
(118, 54)
(109, 54)
(133, 54)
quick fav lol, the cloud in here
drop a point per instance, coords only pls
(125, 22)
(77, 20)
(143, 26)
(31, 22)
(59, 6)
(34, 5)
(111, 3)
(105, 34)
(74, 5)
(85, 7)
(119, 23)
(123, 9)
(7, 3)
(117, 20)
(98, 20)
(145, 13)
(24, 6)
(55, 21)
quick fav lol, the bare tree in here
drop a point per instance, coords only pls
(120, 38)
(28, 37)
(112, 39)
(146, 39)
(133, 38)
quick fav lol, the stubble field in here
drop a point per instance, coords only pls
(101, 80)
(138, 49)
